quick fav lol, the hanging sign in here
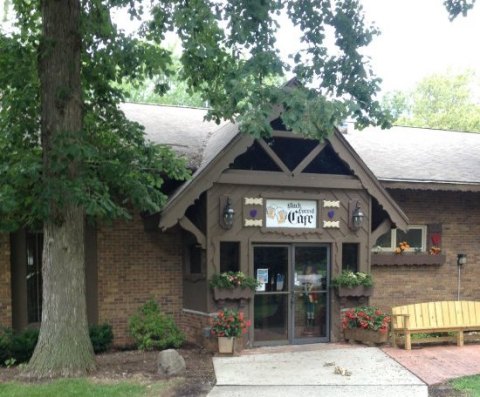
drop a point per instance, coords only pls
(291, 213)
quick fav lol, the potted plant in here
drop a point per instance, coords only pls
(228, 325)
(232, 285)
(349, 283)
(366, 324)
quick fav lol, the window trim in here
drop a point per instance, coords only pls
(394, 242)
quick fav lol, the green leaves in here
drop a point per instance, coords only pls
(442, 101)
(230, 59)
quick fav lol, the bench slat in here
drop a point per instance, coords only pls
(444, 316)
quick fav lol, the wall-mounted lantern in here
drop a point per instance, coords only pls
(358, 216)
(227, 215)
(461, 259)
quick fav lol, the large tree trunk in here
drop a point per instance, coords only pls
(64, 347)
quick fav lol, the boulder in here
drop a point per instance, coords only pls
(171, 363)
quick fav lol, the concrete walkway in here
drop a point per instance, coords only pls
(325, 370)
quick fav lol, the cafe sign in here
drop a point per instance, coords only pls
(291, 213)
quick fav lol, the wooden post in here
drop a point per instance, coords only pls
(408, 338)
(460, 339)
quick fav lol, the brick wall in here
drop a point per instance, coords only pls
(134, 266)
(5, 282)
(194, 324)
(459, 214)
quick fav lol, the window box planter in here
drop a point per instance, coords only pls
(237, 293)
(407, 259)
(366, 336)
(359, 290)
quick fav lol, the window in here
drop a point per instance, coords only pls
(350, 256)
(34, 245)
(415, 236)
(229, 256)
(195, 259)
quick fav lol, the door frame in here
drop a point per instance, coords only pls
(291, 340)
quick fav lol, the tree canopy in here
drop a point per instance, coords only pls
(229, 58)
(442, 101)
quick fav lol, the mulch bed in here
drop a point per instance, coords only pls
(142, 366)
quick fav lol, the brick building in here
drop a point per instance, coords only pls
(293, 200)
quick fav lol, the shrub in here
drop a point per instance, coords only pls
(152, 329)
(6, 336)
(101, 337)
(19, 346)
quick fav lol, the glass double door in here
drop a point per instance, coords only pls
(292, 303)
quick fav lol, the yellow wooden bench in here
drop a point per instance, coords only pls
(447, 316)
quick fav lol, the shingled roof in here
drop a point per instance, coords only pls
(419, 157)
(402, 157)
(182, 128)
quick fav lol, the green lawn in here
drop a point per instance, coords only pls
(84, 388)
(469, 384)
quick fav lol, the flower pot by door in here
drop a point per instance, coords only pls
(226, 344)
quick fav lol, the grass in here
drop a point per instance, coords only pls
(84, 388)
(468, 384)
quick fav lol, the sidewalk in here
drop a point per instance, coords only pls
(438, 364)
(310, 370)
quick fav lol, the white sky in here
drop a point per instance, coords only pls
(417, 39)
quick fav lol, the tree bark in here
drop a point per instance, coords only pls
(64, 347)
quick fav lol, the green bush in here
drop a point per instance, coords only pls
(152, 329)
(101, 336)
(17, 346)
(23, 344)
(6, 336)
(20, 346)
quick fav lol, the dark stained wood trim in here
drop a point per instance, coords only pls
(189, 226)
(203, 179)
(309, 158)
(381, 229)
(268, 178)
(412, 185)
(277, 160)
(286, 134)
(407, 259)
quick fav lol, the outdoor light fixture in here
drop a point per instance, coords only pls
(357, 216)
(461, 259)
(228, 213)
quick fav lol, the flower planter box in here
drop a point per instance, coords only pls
(226, 344)
(366, 336)
(355, 291)
(407, 260)
(232, 293)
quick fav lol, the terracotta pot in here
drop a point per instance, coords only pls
(367, 336)
(232, 293)
(355, 291)
(226, 344)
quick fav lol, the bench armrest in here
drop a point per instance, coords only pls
(406, 321)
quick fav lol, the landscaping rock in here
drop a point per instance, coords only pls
(171, 363)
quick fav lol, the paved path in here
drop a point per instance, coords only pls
(437, 364)
(309, 370)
